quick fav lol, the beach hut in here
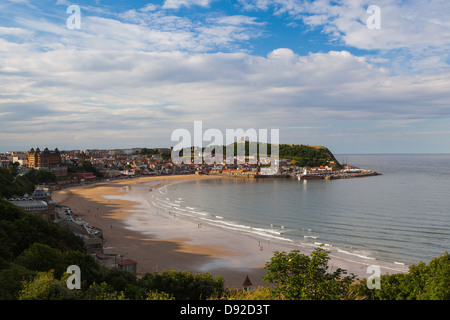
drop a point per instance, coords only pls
(247, 285)
(128, 265)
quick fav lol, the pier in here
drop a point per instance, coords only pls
(311, 176)
(338, 175)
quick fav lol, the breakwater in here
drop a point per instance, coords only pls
(368, 173)
(311, 176)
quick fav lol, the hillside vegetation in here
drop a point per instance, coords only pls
(10, 186)
(311, 156)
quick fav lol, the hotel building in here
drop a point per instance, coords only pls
(43, 159)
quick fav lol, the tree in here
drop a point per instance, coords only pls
(91, 270)
(12, 186)
(261, 293)
(46, 287)
(11, 280)
(102, 291)
(437, 279)
(41, 257)
(40, 176)
(422, 282)
(119, 279)
(20, 229)
(183, 285)
(88, 167)
(298, 277)
(147, 152)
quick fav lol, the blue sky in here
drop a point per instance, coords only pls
(137, 70)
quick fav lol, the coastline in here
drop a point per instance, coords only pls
(158, 240)
(171, 244)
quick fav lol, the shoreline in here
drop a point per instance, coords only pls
(168, 247)
(158, 240)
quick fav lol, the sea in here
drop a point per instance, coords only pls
(401, 216)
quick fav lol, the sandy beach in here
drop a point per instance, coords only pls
(160, 240)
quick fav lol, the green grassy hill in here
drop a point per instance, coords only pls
(312, 156)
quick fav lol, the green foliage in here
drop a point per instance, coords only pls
(102, 291)
(299, 277)
(46, 287)
(167, 155)
(91, 270)
(309, 156)
(118, 279)
(183, 285)
(11, 280)
(148, 152)
(41, 257)
(20, 229)
(261, 293)
(40, 176)
(158, 296)
(422, 282)
(88, 167)
(436, 283)
(14, 187)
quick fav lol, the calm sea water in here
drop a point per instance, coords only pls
(402, 216)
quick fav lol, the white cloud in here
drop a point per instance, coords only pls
(63, 2)
(122, 89)
(419, 28)
(404, 23)
(14, 31)
(236, 20)
(161, 31)
(255, 4)
(149, 7)
(19, 1)
(176, 4)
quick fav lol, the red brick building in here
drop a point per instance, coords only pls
(43, 159)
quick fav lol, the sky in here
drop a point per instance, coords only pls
(125, 74)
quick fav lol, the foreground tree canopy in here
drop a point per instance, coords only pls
(299, 277)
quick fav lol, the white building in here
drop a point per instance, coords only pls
(30, 204)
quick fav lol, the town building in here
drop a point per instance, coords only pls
(4, 164)
(40, 194)
(247, 285)
(59, 171)
(84, 176)
(128, 265)
(43, 159)
(44, 209)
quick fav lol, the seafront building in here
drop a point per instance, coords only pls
(43, 159)
(45, 209)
